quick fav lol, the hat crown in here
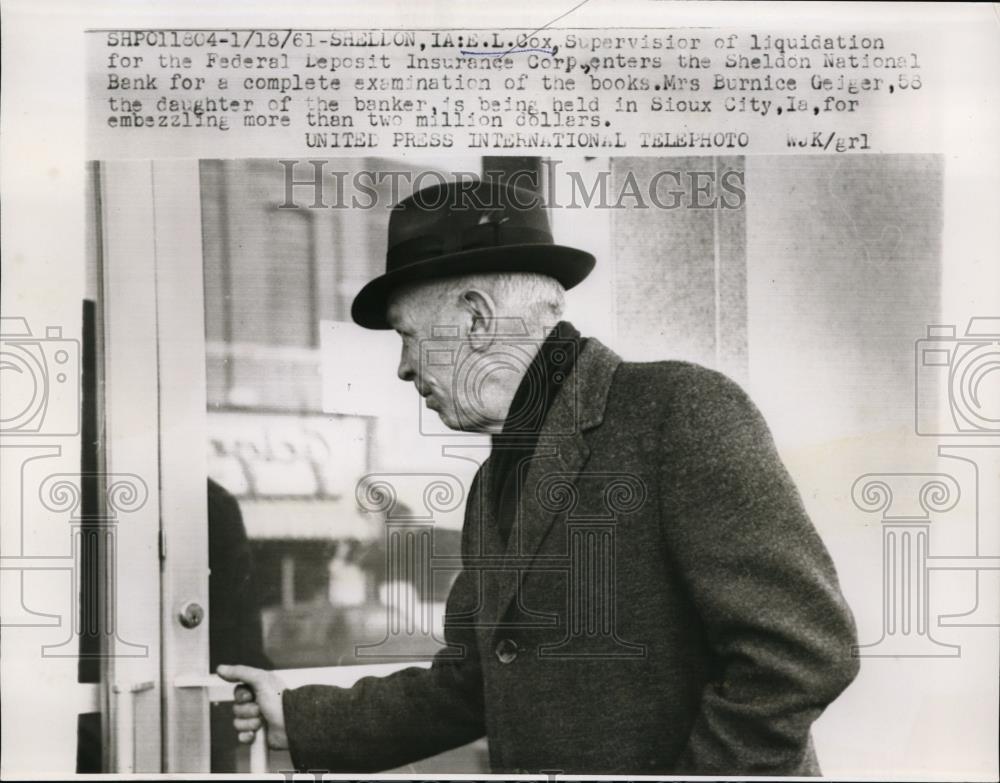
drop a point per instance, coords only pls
(467, 227)
(467, 215)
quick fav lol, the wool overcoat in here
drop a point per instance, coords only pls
(663, 605)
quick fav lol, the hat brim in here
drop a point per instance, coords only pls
(568, 265)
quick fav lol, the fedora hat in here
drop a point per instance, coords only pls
(462, 228)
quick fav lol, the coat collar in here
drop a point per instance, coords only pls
(560, 454)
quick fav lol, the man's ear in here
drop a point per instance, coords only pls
(482, 310)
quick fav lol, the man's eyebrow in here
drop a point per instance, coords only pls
(399, 325)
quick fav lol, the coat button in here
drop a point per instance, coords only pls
(506, 650)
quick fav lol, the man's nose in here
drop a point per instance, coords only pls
(404, 371)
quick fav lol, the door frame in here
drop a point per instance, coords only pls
(154, 373)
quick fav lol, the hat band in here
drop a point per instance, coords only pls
(483, 236)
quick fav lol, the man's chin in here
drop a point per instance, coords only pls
(459, 421)
(454, 423)
(448, 418)
(467, 423)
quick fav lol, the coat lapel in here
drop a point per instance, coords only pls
(561, 453)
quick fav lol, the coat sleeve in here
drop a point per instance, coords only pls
(762, 581)
(385, 722)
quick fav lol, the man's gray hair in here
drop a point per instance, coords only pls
(537, 299)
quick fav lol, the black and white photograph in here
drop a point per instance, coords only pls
(418, 400)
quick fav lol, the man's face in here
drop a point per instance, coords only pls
(413, 313)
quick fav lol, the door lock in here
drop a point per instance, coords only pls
(191, 615)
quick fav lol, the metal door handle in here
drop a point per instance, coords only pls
(217, 689)
(258, 752)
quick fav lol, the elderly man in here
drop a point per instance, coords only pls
(641, 592)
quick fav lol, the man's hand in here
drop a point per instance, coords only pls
(257, 703)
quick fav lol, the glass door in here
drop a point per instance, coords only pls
(254, 546)
(299, 562)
